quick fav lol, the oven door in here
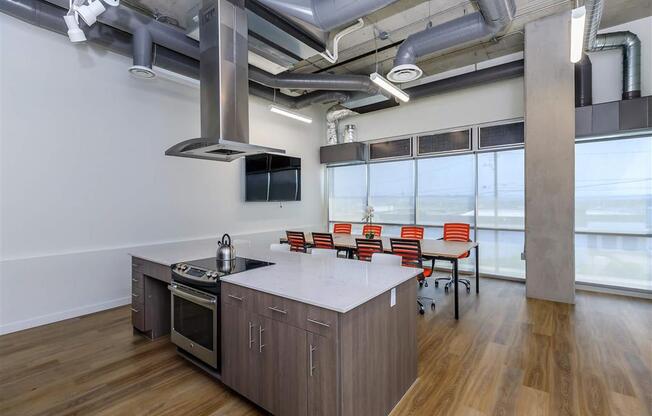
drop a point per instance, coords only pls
(195, 326)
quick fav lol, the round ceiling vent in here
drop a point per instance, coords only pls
(142, 72)
(404, 73)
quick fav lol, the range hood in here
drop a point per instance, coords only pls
(223, 85)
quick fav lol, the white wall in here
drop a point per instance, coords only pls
(607, 66)
(83, 175)
(491, 102)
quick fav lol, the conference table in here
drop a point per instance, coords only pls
(430, 249)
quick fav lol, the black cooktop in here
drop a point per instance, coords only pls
(205, 274)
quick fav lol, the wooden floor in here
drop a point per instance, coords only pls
(506, 356)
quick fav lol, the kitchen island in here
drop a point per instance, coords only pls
(317, 336)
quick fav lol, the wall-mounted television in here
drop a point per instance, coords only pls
(273, 178)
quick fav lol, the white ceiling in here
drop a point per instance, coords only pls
(405, 17)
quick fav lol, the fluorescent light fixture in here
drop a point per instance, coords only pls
(75, 34)
(389, 87)
(289, 113)
(578, 20)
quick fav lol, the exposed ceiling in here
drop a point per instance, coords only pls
(385, 29)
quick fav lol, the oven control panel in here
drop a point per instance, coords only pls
(194, 273)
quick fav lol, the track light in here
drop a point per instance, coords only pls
(578, 20)
(289, 113)
(389, 87)
(75, 34)
(89, 12)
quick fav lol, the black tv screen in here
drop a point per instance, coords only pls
(272, 178)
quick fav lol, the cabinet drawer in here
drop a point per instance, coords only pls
(138, 316)
(321, 321)
(238, 296)
(158, 271)
(281, 309)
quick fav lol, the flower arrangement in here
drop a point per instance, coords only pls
(368, 218)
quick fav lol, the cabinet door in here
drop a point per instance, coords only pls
(322, 376)
(240, 351)
(283, 365)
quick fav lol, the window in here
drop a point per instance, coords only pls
(501, 189)
(391, 191)
(347, 193)
(446, 190)
(613, 212)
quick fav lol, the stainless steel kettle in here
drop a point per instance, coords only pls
(225, 251)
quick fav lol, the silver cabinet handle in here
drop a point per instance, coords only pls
(208, 302)
(134, 295)
(319, 323)
(134, 280)
(260, 339)
(135, 310)
(312, 361)
(275, 309)
(236, 298)
(251, 337)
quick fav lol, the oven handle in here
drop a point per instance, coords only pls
(209, 303)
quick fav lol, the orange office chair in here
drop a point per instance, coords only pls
(342, 228)
(323, 240)
(366, 248)
(410, 252)
(296, 240)
(455, 232)
(412, 232)
(376, 229)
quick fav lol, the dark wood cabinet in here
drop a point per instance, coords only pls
(294, 359)
(322, 376)
(150, 298)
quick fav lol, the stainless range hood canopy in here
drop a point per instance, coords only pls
(223, 85)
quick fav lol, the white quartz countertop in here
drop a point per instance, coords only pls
(332, 283)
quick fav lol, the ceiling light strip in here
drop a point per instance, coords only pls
(378, 79)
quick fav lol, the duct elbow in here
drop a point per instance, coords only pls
(142, 54)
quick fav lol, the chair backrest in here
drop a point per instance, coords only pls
(454, 231)
(323, 240)
(342, 228)
(386, 259)
(279, 247)
(323, 252)
(411, 232)
(409, 250)
(365, 248)
(296, 240)
(376, 229)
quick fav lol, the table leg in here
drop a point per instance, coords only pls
(477, 269)
(457, 310)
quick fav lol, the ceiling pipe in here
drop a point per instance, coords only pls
(493, 18)
(627, 41)
(326, 14)
(48, 16)
(483, 76)
(583, 82)
(142, 44)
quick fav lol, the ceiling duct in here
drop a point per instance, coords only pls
(627, 41)
(493, 18)
(326, 14)
(314, 81)
(223, 86)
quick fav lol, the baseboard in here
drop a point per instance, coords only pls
(632, 293)
(63, 315)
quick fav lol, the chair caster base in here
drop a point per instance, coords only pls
(436, 283)
(421, 311)
(468, 289)
(420, 284)
(432, 306)
(425, 283)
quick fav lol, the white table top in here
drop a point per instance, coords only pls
(332, 283)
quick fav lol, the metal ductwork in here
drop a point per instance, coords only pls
(314, 81)
(142, 44)
(48, 16)
(627, 41)
(223, 86)
(493, 18)
(483, 76)
(583, 82)
(326, 14)
(333, 116)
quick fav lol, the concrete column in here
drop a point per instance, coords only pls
(549, 160)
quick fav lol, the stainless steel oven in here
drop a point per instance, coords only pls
(196, 323)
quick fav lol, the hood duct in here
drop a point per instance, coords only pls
(223, 86)
(627, 41)
(326, 14)
(493, 18)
